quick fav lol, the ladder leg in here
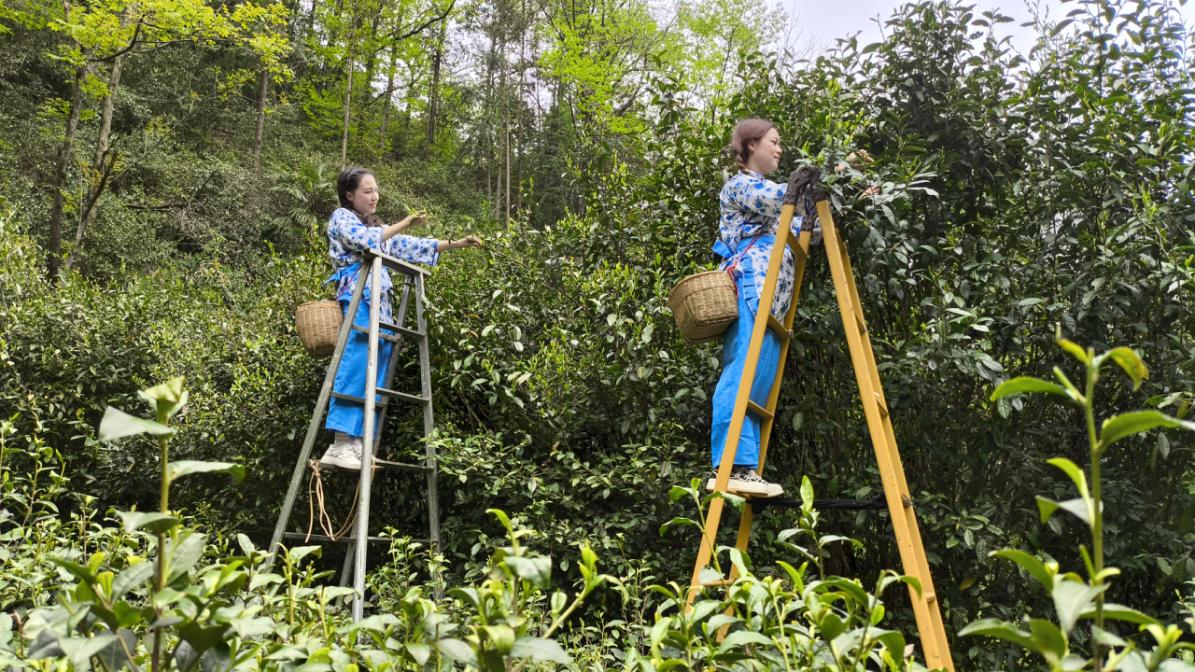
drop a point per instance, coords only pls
(429, 425)
(321, 405)
(367, 443)
(904, 521)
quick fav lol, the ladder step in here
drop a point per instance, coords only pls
(876, 503)
(413, 398)
(778, 328)
(757, 410)
(406, 466)
(325, 538)
(720, 583)
(393, 327)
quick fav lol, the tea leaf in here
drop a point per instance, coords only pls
(116, 424)
(540, 650)
(1127, 424)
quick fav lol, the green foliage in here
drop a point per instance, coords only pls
(1075, 598)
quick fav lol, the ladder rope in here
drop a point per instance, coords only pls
(315, 494)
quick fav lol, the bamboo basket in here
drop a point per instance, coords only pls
(318, 323)
(704, 304)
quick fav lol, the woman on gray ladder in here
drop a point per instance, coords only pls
(353, 229)
(750, 205)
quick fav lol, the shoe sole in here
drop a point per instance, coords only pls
(351, 465)
(737, 487)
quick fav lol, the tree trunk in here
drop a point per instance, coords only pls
(61, 173)
(348, 100)
(433, 95)
(259, 132)
(371, 59)
(348, 88)
(389, 101)
(94, 182)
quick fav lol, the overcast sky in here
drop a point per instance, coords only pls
(820, 22)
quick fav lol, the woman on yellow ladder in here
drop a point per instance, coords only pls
(750, 205)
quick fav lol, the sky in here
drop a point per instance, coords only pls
(820, 22)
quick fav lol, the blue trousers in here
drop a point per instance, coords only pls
(734, 356)
(347, 416)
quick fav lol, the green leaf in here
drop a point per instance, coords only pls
(1073, 348)
(81, 649)
(1048, 638)
(1080, 508)
(132, 577)
(1118, 612)
(1027, 385)
(1073, 471)
(117, 424)
(184, 554)
(168, 397)
(154, 522)
(455, 649)
(1127, 424)
(540, 650)
(1036, 568)
(536, 570)
(202, 637)
(1131, 362)
(419, 651)
(77, 570)
(294, 555)
(741, 638)
(188, 467)
(1071, 600)
(993, 627)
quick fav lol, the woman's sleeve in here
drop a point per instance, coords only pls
(413, 249)
(347, 229)
(759, 196)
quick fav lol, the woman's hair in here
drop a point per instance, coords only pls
(348, 180)
(746, 132)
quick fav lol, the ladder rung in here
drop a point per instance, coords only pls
(402, 330)
(778, 327)
(408, 466)
(720, 583)
(393, 327)
(325, 538)
(356, 400)
(414, 398)
(758, 410)
(385, 337)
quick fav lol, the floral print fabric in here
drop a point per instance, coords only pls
(349, 238)
(750, 206)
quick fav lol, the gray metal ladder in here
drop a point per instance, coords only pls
(412, 283)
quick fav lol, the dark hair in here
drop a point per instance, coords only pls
(348, 180)
(746, 132)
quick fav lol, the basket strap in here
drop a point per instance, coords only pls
(738, 256)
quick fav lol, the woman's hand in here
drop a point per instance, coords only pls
(467, 241)
(413, 221)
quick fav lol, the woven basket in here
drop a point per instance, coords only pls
(318, 323)
(704, 305)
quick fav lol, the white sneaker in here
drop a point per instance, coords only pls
(344, 452)
(747, 482)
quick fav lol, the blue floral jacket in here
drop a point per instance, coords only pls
(349, 238)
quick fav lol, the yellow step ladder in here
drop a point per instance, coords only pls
(804, 187)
